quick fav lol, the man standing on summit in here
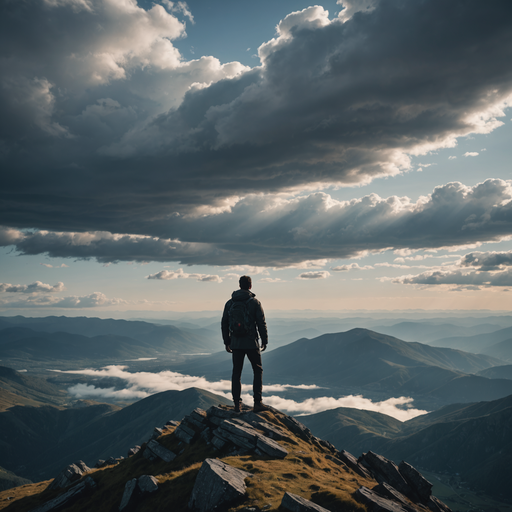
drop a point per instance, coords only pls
(243, 319)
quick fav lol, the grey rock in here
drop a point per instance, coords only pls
(437, 505)
(172, 423)
(67, 497)
(239, 429)
(69, 474)
(218, 442)
(157, 432)
(100, 463)
(377, 503)
(353, 464)
(385, 471)
(217, 485)
(295, 503)
(271, 448)
(133, 451)
(421, 486)
(387, 491)
(147, 484)
(148, 454)
(160, 451)
(297, 428)
(184, 433)
(129, 488)
(270, 430)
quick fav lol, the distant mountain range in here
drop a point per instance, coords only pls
(38, 442)
(63, 338)
(375, 362)
(474, 440)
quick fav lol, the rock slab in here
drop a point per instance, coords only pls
(67, 497)
(296, 503)
(217, 485)
(70, 474)
(377, 503)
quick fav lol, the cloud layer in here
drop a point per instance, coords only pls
(142, 384)
(104, 126)
(279, 231)
(473, 271)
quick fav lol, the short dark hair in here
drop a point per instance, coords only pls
(245, 282)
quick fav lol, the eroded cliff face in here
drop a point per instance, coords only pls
(219, 460)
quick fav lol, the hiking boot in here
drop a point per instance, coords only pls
(259, 407)
(238, 406)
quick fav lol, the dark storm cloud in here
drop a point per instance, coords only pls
(274, 231)
(491, 261)
(93, 137)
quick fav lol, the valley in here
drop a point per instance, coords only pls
(80, 388)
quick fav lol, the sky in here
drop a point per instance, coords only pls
(347, 155)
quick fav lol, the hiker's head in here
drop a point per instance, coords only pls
(245, 283)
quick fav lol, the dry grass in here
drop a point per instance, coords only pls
(305, 471)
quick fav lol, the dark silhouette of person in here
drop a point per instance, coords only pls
(243, 321)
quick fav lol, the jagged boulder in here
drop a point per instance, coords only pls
(129, 489)
(295, 503)
(133, 451)
(422, 487)
(147, 483)
(217, 485)
(69, 474)
(135, 488)
(377, 503)
(352, 463)
(68, 497)
(246, 437)
(154, 449)
(385, 470)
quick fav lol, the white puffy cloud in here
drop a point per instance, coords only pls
(319, 274)
(350, 7)
(167, 275)
(304, 232)
(139, 385)
(471, 153)
(38, 299)
(352, 267)
(37, 287)
(473, 271)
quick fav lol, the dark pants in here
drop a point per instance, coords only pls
(254, 356)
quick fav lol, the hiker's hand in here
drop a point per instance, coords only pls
(228, 348)
(263, 347)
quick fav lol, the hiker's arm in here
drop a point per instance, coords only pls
(261, 324)
(224, 325)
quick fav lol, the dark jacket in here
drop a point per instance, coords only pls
(259, 326)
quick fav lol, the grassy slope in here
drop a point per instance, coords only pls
(20, 389)
(305, 471)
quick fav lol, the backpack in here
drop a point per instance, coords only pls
(239, 321)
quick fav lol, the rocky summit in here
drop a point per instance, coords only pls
(219, 460)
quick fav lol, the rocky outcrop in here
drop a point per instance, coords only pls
(68, 497)
(377, 503)
(217, 485)
(69, 474)
(136, 488)
(155, 450)
(295, 503)
(402, 485)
